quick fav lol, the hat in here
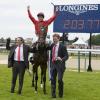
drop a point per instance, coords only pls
(40, 14)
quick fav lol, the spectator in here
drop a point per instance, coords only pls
(58, 58)
(18, 60)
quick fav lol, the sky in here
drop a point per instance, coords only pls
(14, 20)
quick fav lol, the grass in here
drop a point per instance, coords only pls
(77, 86)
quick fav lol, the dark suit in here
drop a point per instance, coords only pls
(58, 67)
(18, 67)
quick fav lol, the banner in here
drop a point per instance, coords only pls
(84, 18)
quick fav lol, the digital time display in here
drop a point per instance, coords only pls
(83, 18)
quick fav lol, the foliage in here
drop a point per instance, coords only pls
(77, 86)
(95, 40)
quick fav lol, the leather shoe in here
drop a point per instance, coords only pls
(60, 96)
(12, 91)
(19, 92)
(54, 96)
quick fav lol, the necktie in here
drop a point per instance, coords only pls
(18, 53)
(53, 53)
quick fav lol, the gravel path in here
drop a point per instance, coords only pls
(71, 63)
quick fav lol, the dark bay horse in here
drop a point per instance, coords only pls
(40, 58)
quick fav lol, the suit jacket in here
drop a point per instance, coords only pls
(26, 50)
(62, 53)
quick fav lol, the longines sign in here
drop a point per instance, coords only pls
(77, 18)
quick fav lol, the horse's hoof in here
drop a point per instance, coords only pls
(36, 92)
(41, 85)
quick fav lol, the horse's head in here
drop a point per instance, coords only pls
(40, 44)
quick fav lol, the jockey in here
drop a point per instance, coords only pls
(41, 26)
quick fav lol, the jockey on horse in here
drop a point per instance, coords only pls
(40, 24)
(40, 57)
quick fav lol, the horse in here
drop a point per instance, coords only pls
(40, 58)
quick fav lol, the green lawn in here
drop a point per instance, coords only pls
(77, 86)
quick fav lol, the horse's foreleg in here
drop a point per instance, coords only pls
(33, 77)
(41, 77)
(36, 79)
(44, 86)
(44, 78)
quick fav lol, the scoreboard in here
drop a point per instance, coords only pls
(84, 18)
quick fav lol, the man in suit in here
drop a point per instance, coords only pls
(58, 58)
(18, 60)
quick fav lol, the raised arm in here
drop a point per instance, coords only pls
(50, 20)
(30, 15)
(8, 44)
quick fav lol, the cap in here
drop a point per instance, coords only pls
(40, 14)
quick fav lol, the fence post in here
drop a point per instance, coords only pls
(78, 61)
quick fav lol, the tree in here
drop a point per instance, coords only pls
(2, 40)
(95, 40)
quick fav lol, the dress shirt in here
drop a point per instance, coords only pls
(56, 50)
(21, 53)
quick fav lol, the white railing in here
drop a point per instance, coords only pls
(83, 51)
(2, 47)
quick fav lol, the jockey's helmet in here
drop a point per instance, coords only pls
(40, 14)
